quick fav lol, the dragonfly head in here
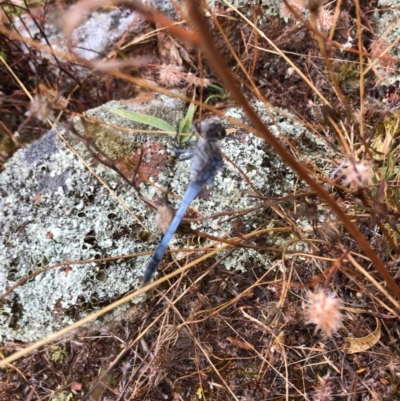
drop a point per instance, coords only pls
(211, 130)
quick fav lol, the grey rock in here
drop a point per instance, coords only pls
(94, 36)
(54, 210)
(39, 150)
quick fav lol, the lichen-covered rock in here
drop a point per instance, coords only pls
(53, 210)
(386, 17)
(94, 36)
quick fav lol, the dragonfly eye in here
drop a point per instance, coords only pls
(212, 130)
(221, 133)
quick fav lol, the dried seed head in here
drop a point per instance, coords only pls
(358, 174)
(296, 5)
(330, 233)
(322, 309)
(323, 390)
(163, 218)
(191, 79)
(170, 75)
(325, 19)
(40, 108)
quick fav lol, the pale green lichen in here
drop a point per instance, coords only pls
(57, 353)
(113, 144)
(54, 210)
(63, 396)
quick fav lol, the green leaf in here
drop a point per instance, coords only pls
(220, 90)
(145, 119)
(186, 122)
(212, 97)
(220, 93)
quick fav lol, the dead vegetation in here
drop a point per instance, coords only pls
(322, 323)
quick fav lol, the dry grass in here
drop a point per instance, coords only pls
(211, 334)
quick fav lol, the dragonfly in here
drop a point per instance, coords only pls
(207, 160)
